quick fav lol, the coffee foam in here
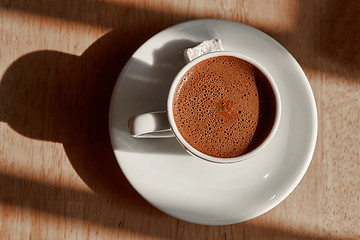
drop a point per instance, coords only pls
(216, 106)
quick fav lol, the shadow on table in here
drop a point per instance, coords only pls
(63, 98)
(136, 216)
(325, 30)
(326, 37)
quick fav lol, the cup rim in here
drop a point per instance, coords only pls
(193, 150)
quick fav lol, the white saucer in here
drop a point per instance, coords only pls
(192, 189)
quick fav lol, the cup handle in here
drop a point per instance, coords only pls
(150, 125)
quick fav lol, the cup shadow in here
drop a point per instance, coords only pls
(58, 97)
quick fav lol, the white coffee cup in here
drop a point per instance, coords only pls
(161, 124)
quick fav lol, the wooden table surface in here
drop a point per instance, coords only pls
(59, 61)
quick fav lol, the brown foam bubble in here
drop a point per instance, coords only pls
(224, 107)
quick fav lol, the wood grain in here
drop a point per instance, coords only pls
(59, 61)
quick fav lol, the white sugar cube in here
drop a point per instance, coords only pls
(207, 46)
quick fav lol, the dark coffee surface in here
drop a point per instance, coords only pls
(224, 107)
